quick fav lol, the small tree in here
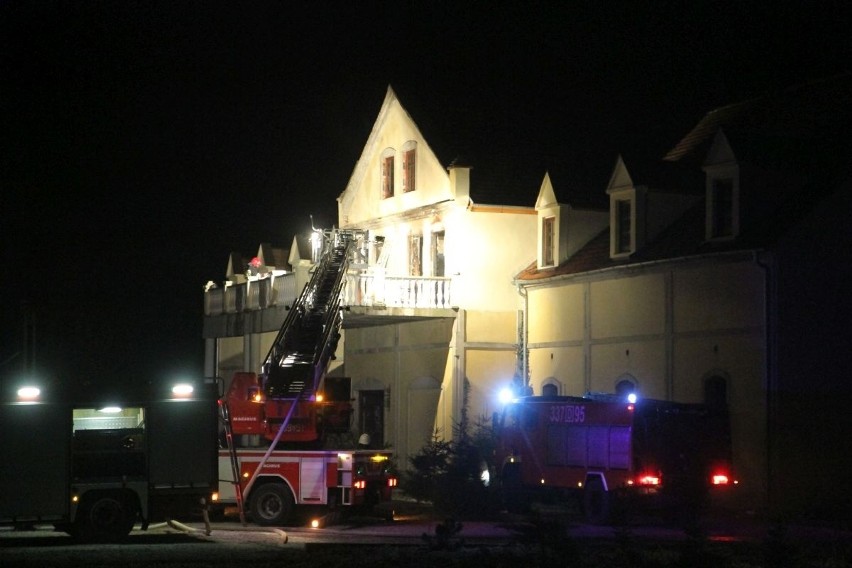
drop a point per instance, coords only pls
(449, 473)
(427, 466)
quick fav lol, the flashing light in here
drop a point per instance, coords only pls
(631, 398)
(379, 459)
(505, 396)
(315, 523)
(319, 397)
(214, 496)
(182, 390)
(29, 393)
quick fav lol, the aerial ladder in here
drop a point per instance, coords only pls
(284, 403)
(288, 391)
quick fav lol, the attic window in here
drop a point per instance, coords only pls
(623, 225)
(387, 173)
(409, 155)
(547, 231)
(721, 208)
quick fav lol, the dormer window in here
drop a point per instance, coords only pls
(722, 191)
(387, 173)
(548, 230)
(628, 204)
(721, 204)
(623, 226)
(409, 160)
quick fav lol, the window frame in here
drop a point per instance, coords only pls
(726, 174)
(548, 241)
(415, 254)
(387, 167)
(721, 205)
(409, 167)
(623, 226)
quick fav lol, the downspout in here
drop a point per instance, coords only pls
(771, 379)
(522, 340)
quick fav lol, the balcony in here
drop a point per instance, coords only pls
(366, 290)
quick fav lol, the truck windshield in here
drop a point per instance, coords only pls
(109, 418)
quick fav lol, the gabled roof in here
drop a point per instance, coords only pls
(507, 155)
(663, 176)
(791, 130)
(805, 130)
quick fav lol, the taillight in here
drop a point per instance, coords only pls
(392, 482)
(649, 480)
(720, 479)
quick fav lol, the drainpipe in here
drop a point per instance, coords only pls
(522, 341)
(771, 379)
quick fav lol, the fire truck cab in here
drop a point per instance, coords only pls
(604, 449)
(95, 467)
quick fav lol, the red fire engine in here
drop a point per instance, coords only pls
(604, 449)
(279, 423)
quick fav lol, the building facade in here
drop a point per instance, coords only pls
(681, 282)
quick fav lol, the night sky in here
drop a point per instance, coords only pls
(143, 142)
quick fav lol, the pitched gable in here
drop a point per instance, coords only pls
(397, 170)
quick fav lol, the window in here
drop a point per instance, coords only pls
(623, 212)
(547, 230)
(438, 254)
(415, 258)
(722, 208)
(624, 387)
(380, 251)
(387, 175)
(408, 168)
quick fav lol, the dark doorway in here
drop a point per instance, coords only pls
(371, 406)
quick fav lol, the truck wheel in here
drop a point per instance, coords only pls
(271, 504)
(596, 502)
(105, 518)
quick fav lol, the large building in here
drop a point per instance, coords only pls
(715, 273)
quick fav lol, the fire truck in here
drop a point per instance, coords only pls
(95, 467)
(607, 451)
(282, 426)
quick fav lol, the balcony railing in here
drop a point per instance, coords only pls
(362, 290)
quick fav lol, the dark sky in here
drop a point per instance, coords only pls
(144, 141)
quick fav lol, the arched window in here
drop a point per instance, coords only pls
(549, 390)
(550, 387)
(716, 392)
(625, 386)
